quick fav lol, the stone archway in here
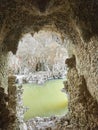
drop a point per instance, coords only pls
(76, 19)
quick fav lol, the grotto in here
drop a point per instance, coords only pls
(75, 20)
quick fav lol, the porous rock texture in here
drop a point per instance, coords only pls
(76, 21)
(82, 107)
(3, 69)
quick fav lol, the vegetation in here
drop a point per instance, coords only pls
(42, 52)
(45, 100)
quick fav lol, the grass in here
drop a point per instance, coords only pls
(45, 100)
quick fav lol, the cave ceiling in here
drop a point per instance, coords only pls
(22, 16)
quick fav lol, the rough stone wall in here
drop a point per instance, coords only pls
(82, 106)
(74, 18)
(86, 54)
(6, 115)
(3, 69)
(20, 109)
(15, 104)
(12, 103)
(87, 65)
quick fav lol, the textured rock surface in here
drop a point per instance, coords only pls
(52, 123)
(15, 104)
(6, 116)
(82, 106)
(75, 19)
(3, 69)
(20, 109)
(12, 100)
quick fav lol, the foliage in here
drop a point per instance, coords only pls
(43, 47)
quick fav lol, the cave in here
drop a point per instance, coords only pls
(39, 65)
(76, 21)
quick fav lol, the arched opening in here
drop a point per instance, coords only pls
(74, 18)
(39, 64)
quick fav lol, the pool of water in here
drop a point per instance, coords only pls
(45, 100)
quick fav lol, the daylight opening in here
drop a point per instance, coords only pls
(39, 65)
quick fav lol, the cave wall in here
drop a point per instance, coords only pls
(86, 54)
(3, 69)
(75, 19)
(87, 65)
(82, 84)
(82, 107)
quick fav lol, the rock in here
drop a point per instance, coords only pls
(23, 126)
(46, 123)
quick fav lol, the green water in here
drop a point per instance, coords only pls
(46, 100)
